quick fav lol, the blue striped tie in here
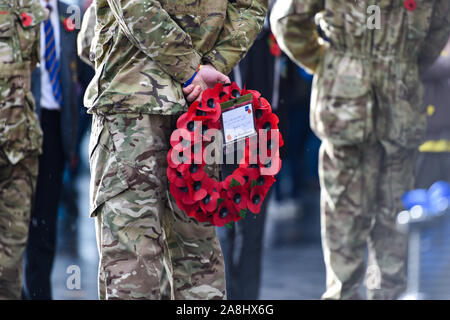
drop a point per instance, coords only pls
(51, 61)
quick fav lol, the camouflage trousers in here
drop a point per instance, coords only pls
(17, 186)
(362, 186)
(143, 238)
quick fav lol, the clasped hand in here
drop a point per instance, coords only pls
(207, 77)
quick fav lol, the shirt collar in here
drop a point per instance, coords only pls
(52, 3)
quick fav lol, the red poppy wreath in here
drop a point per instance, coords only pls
(202, 197)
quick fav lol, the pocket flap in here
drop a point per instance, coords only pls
(5, 24)
(32, 15)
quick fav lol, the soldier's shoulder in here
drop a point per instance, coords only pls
(32, 11)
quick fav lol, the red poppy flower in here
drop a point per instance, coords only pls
(257, 195)
(410, 5)
(197, 190)
(181, 195)
(254, 93)
(234, 179)
(195, 171)
(250, 157)
(181, 139)
(26, 19)
(69, 25)
(186, 122)
(225, 214)
(271, 167)
(175, 177)
(176, 158)
(209, 106)
(251, 171)
(209, 202)
(209, 129)
(232, 90)
(256, 97)
(197, 113)
(188, 208)
(267, 122)
(265, 181)
(274, 47)
(272, 146)
(200, 215)
(264, 104)
(239, 196)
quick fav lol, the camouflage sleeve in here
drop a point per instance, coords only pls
(245, 19)
(150, 28)
(292, 23)
(437, 35)
(86, 34)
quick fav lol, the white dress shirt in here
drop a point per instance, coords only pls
(48, 100)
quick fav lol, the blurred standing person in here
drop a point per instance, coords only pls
(54, 87)
(434, 159)
(366, 108)
(20, 135)
(143, 74)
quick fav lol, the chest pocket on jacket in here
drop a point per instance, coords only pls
(6, 40)
(28, 31)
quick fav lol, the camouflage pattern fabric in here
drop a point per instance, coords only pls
(142, 235)
(17, 185)
(361, 195)
(86, 34)
(366, 107)
(140, 67)
(20, 135)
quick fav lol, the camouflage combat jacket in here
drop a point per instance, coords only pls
(367, 63)
(20, 132)
(145, 49)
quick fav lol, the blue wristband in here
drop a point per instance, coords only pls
(190, 80)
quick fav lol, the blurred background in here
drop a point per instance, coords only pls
(288, 230)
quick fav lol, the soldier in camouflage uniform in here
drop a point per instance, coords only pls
(20, 135)
(367, 110)
(144, 51)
